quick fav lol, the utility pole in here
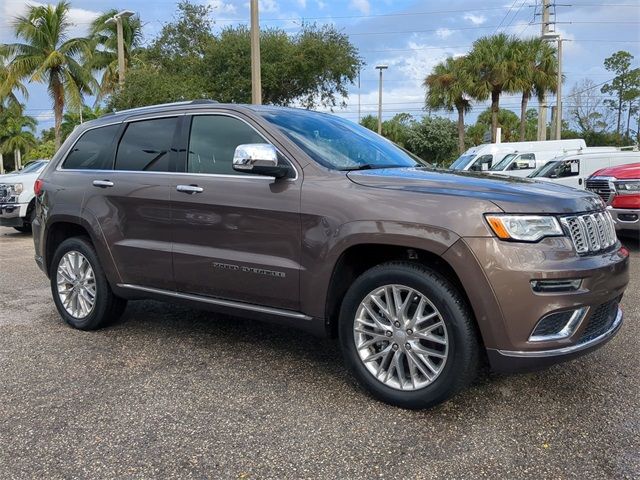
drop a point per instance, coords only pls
(256, 80)
(381, 68)
(542, 108)
(359, 104)
(117, 19)
(557, 124)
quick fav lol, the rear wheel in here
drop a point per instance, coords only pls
(408, 335)
(80, 288)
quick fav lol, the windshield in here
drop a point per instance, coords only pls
(32, 167)
(545, 170)
(337, 143)
(502, 164)
(462, 161)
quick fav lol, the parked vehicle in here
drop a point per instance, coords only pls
(483, 157)
(619, 187)
(17, 199)
(317, 223)
(572, 170)
(524, 164)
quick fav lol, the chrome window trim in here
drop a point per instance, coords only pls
(177, 114)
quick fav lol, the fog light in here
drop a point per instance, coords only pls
(557, 326)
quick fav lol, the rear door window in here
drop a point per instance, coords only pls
(482, 163)
(93, 150)
(568, 168)
(146, 145)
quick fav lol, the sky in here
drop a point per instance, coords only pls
(408, 36)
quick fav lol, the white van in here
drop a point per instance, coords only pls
(482, 157)
(524, 164)
(573, 169)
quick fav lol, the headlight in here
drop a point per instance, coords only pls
(627, 187)
(524, 228)
(17, 188)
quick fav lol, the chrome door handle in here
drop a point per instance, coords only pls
(102, 183)
(189, 189)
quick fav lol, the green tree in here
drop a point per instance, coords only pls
(433, 139)
(508, 122)
(395, 129)
(536, 73)
(624, 85)
(71, 120)
(102, 51)
(47, 56)
(16, 132)
(492, 63)
(448, 88)
(186, 60)
(42, 150)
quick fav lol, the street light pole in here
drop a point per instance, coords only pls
(381, 68)
(117, 19)
(256, 80)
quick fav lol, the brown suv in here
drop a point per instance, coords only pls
(312, 221)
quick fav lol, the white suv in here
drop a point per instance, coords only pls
(17, 199)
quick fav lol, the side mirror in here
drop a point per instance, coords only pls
(259, 159)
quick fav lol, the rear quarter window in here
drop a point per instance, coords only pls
(93, 150)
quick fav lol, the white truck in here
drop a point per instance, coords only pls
(531, 154)
(573, 169)
(17, 198)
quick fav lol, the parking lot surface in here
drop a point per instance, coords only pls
(171, 392)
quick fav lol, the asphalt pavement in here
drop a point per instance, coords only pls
(171, 392)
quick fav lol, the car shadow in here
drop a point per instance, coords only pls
(630, 240)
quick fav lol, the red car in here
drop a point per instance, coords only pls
(619, 187)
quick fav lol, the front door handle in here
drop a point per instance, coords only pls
(102, 183)
(189, 189)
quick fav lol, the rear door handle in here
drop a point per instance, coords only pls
(102, 183)
(189, 189)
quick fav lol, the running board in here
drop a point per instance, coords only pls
(219, 302)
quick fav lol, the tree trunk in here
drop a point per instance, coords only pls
(628, 121)
(1, 164)
(523, 115)
(17, 159)
(460, 130)
(58, 106)
(495, 108)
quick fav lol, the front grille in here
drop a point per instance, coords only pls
(4, 194)
(591, 232)
(602, 188)
(600, 321)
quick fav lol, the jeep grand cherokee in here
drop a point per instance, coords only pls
(312, 221)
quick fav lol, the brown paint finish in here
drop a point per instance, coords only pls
(253, 242)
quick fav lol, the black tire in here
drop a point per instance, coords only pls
(107, 307)
(463, 359)
(31, 214)
(26, 228)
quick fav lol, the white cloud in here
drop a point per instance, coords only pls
(44, 116)
(321, 5)
(475, 19)
(269, 6)
(220, 6)
(361, 5)
(302, 3)
(79, 17)
(444, 32)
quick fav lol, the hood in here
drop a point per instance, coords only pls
(511, 194)
(621, 172)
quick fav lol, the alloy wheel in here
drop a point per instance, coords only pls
(76, 284)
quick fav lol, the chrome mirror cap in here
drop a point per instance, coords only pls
(251, 155)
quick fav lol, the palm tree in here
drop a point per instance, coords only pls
(492, 64)
(48, 57)
(536, 73)
(16, 132)
(448, 88)
(103, 52)
(71, 120)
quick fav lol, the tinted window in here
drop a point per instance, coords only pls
(568, 168)
(146, 145)
(482, 163)
(93, 151)
(337, 143)
(213, 142)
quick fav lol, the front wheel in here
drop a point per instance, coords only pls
(80, 288)
(408, 335)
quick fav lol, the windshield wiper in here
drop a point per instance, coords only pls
(370, 166)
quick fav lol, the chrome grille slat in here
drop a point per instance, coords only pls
(601, 187)
(591, 232)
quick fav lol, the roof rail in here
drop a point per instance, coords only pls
(199, 101)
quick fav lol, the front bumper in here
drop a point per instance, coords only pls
(12, 214)
(625, 218)
(509, 361)
(508, 309)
